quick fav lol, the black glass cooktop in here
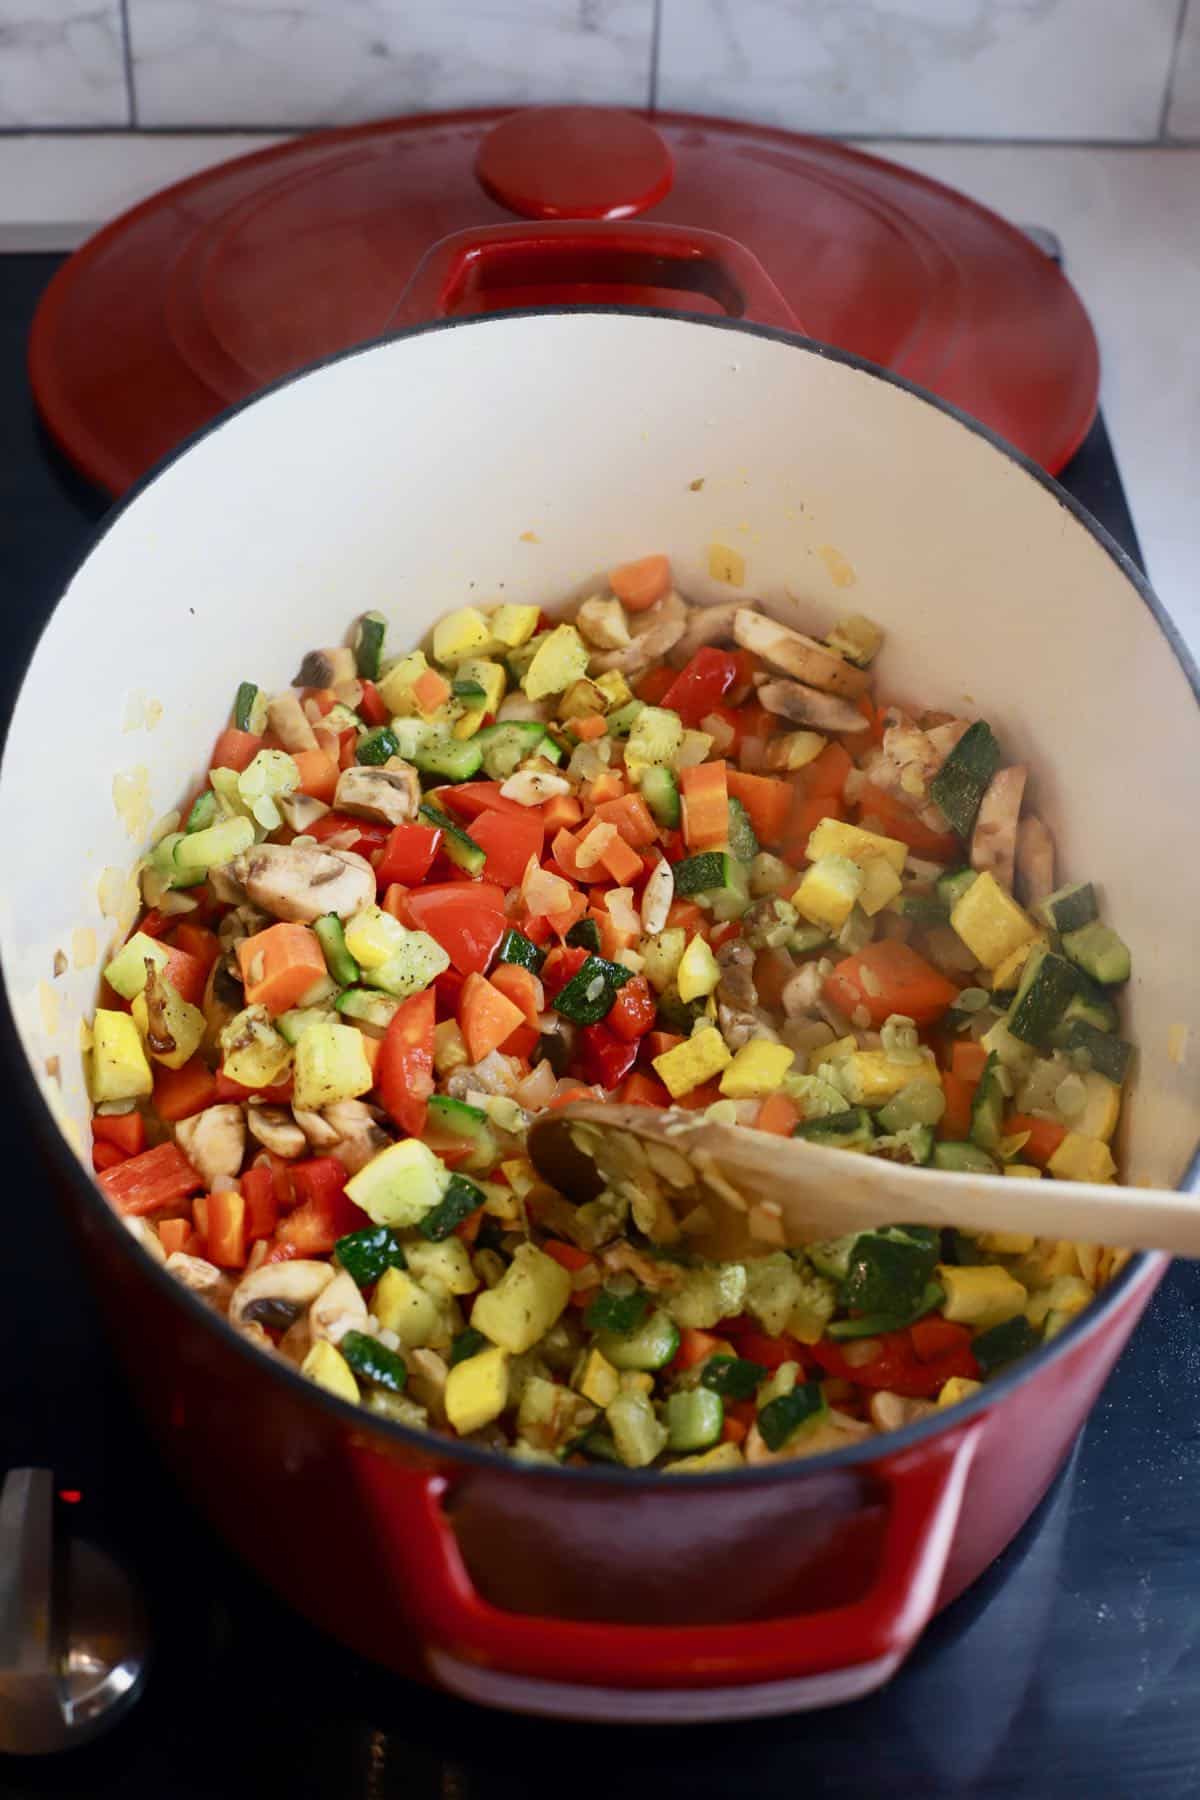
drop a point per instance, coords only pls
(1070, 1672)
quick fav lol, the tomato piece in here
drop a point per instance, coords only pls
(700, 684)
(404, 1071)
(106, 1156)
(470, 798)
(604, 1058)
(508, 843)
(633, 1011)
(408, 854)
(466, 918)
(370, 706)
(369, 835)
(896, 1367)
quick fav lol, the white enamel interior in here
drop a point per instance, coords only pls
(408, 477)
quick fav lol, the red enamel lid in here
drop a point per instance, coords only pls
(223, 283)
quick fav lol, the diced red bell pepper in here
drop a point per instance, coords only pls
(179, 1093)
(370, 706)
(408, 855)
(756, 1346)
(509, 842)
(634, 1010)
(126, 1130)
(324, 1213)
(107, 1156)
(369, 836)
(404, 1070)
(147, 1183)
(262, 1208)
(654, 684)
(466, 918)
(700, 684)
(197, 941)
(897, 1366)
(604, 1058)
(469, 799)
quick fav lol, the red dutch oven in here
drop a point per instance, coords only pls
(516, 454)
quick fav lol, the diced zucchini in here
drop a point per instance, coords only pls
(332, 938)
(707, 1294)
(717, 1461)
(202, 850)
(1044, 991)
(849, 1130)
(449, 759)
(953, 885)
(250, 708)
(1096, 949)
(343, 718)
(589, 995)
(912, 1144)
(584, 935)
(1004, 1343)
(505, 747)
(964, 1159)
(960, 784)
(622, 720)
(366, 1254)
(297, 1019)
(203, 812)
(1070, 907)
(515, 947)
(457, 844)
(782, 1417)
(368, 645)
(1090, 1005)
(887, 1274)
(917, 1103)
(367, 1006)
(651, 1345)
(1108, 1055)
(376, 746)
(660, 790)
(443, 1264)
(742, 841)
(459, 1201)
(705, 873)
(694, 1419)
(636, 1431)
(987, 1108)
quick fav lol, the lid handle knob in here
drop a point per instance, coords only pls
(574, 162)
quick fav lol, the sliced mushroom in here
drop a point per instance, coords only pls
(300, 811)
(278, 1293)
(359, 1137)
(389, 795)
(653, 634)
(243, 922)
(808, 706)
(799, 656)
(204, 1278)
(214, 1142)
(223, 1000)
(302, 882)
(289, 722)
(274, 1128)
(738, 1012)
(657, 896)
(319, 1133)
(1035, 860)
(994, 839)
(531, 787)
(603, 623)
(325, 668)
(337, 1309)
(625, 1258)
(801, 992)
(706, 625)
(891, 1411)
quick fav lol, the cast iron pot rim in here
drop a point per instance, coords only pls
(432, 1446)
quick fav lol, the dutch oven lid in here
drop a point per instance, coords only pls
(223, 283)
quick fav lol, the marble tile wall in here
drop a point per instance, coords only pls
(1107, 70)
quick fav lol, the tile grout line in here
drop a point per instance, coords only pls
(127, 57)
(655, 52)
(1172, 70)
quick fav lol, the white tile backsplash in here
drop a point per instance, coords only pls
(308, 62)
(1183, 119)
(62, 62)
(1004, 68)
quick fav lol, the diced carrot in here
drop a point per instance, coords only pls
(967, 1059)
(225, 1228)
(178, 1093)
(522, 987)
(323, 698)
(430, 690)
(807, 812)
(561, 812)
(486, 1016)
(653, 685)
(198, 941)
(768, 801)
(890, 977)
(235, 749)
(318, 774)
(1044, 1136)
(888, 815)
(638, 585)
(934, 1336)
(705, 806)
(608, 785)
(955, 1122)
(685, 915)
(632, 818)
(173, 1234)
(561, 922)
(592, 725)
(659, 1042)
(522, 1042)
(644, 1090)
(568, 1256)
(777, 1114)
(107, 1156)
(700, 1097)
(127, 1131)
(575, 1092)
(612, 940)
(280, 965)
(566, 848)
(622, 863)
(826, 773)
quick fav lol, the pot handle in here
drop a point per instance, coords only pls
(588, 262)
(810, 1659)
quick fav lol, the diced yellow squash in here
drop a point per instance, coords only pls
(1025, 1171)
(582, 700)
(530, 1298)
(461, 634)
(1080, 1158)
(184, 1025)
(396, 685)
(126, 973)
(597, 1380)
(560, 660)
(828, 891)
(331, 1064)
(982, 1295)
(400, 1185)
(989, 921)
(880, 884)
(1101, 1109)
(959, 1387)
(1006, 1243)
(758, 1068)
(120, 1070)
(661, 956)
(449, 1048)
(477, 1390)
(467, 724)
(615, 688)
(1007, 974)
(513, 626)
(698, 972)
(836, 1052)
(500, 1202)
(635, 1381)
(372, 936)
(403, 1306)
(1050, 1258)
(690, 1064)
(708, 1462)
(326, 1365)
(832, 837)
(870, 1077)
(252, 1051)
(1067, 1294)
(856, 637)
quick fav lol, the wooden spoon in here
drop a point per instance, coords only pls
(726, 1190)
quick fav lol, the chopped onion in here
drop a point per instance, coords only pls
(593, 846)
(719, 730)
(537, 1089)
(622, 911)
